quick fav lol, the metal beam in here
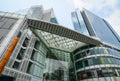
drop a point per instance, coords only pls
(62, 31)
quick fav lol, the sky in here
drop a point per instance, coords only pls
(107, 9)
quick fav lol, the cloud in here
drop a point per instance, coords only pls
(98, 4)
(69, 1)
(107, 9)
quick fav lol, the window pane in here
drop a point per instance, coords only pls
(79, 65)
(85, 63)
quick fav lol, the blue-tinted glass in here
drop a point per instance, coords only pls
(82, 23)
(92, 51)
(102, 29)
(97, 60)
(78, 23)
(101, 51)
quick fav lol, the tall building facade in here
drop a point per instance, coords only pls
(88, 23)
(95, 63)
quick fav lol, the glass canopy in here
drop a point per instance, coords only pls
(59, 37)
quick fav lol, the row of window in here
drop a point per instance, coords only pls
(96, 61)
(96, 50)
(34, 70)
(99, 72)
(16, 65)
(22, 50)
(40, 46)
(21, 53)
(83, 48)
(38, 56)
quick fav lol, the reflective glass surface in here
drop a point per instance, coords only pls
(79, 23)
(102, 29)
(98, 73)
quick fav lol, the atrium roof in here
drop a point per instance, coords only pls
(59, 37)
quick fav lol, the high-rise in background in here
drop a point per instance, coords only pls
(89, 24)
(37, 12)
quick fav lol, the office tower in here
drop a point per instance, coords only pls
(37, 50)
(88, 23)
(37, 12)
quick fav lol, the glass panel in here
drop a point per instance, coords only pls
(16, 65)
(26, 41)
(96, 50)
(77, 56)
(101, 51)
(97, 61)
(92, 51)
(21, 54)
(117, 61)
(107, 60)
(37, 44)
(56, 70)
(85, 63)
(79, 65)
(34, 70)
(90, 61)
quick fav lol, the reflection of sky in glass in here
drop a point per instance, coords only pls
(53, 65)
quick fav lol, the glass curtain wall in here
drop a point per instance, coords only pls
(57, 66)
(97, 62)
(79, 23)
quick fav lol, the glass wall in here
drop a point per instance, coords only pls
(96, 51)
(35, 70)
(36, 64)
(79, 23)
(56, 70)
(98, 73)
(100, 28)
(57, 66)
(97, 63)
(38, 57)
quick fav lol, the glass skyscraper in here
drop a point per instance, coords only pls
(88, 23)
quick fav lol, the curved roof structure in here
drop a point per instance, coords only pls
(59, 37)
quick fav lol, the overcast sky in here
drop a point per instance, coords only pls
(107, 9)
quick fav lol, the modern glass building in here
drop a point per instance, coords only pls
(33, 49)
(89, 24)
(96, 63)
